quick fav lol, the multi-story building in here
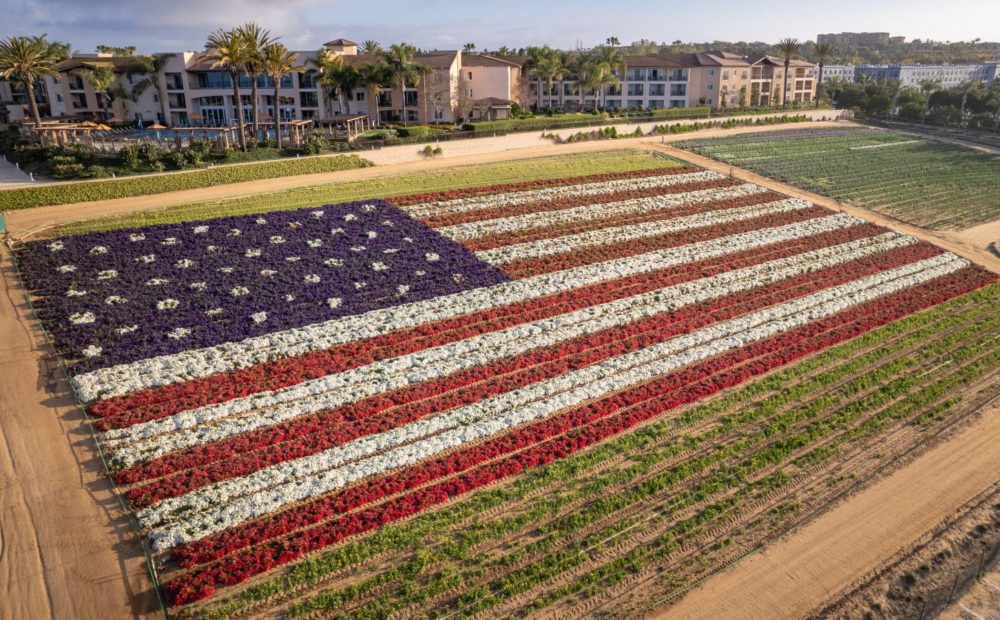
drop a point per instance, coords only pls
(859, 39)
(191, 91)
(716, 79)
(14, 105)
(912, 75)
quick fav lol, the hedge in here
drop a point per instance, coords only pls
(581, 120)
(86, 191)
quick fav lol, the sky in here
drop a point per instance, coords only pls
(180, 25)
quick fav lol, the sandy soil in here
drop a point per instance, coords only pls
(971, 243)
(800, 572)
(980, 602)
(26, 219)
(64, 549)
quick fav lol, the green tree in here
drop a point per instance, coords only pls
(404, 70)
(228, 50)
(612, 41)
(375, 76)
(337, 78)
(150, 67)
(103, 80)
(613, 63)
(469, 48)
(29, 59)
(276, 63)
(824, 51)
(743, 96)
(928, 88)
(550, 66)
(122, 52)
(787, 48)
(256, 40)
(371, 47)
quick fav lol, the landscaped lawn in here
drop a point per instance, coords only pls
(924, 182)
(388, 186)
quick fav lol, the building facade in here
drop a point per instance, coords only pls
(911, 76)
(716, 79)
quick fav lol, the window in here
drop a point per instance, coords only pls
(678, 90)
(215, 79)
(59, 97)
(711, 87)
(78, 100)
(308, 115)
(470, 75)
(709, 101)
(307, 79)
(636, 74)
(410, 98)
(725, 75)
(711, 71)
(309, 100)
(679, 75)
(174, 81)
(655, 104)
(657, 90)
(439, 115)
(635, 104)
(156, 98)
(613, 103)
(635, 90)
(359, 95)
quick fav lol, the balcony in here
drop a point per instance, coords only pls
(174, 81)
(679, 75)
(176, 100)
(635, 90)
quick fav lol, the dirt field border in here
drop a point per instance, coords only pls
(47, 339)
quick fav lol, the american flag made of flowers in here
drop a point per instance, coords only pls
(266, 386)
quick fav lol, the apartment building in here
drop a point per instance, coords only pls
(716, 79)
(191, 91)
(911, 76)
(14, 105)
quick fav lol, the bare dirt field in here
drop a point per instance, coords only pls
(64, 550)
(801, 572)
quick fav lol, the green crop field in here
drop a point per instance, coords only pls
(923, 182)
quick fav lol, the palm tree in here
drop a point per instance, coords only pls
(277, 62)
(375, 76)
(371, 47)
(968, 87)
(787, 48)
(227, 49)
(823, 52)
(549, 66)
(470, 48)
(28, 59)
(596, 76)
(403, 69)
(614, 64)
(338, 78)
(257, 40)
(503, 51)
(928, 88)
(102, 80)
(151, 67)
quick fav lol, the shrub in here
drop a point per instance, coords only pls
(27, 197)
(575, 120)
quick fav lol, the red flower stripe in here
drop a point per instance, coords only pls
(161, 402)
(478, 215)
(540, 443)
(310, 434)
(505, 188)
(527, 267)
(572, 228)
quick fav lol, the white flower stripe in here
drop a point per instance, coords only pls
(585, 213)
(149, 439)
(196, 363)
(459, 205)
(628, 232)
(538, 401)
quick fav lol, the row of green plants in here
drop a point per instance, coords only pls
(782, 387)
(86, 191)
(577, 120)
(612, 133)
(922, 181)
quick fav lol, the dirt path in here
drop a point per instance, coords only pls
(799, 573)
(26, 219)
(63, 552)
(972, 243)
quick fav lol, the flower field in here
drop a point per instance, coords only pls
(921, 181)
(496, 400)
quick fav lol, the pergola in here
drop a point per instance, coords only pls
(346, 125)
